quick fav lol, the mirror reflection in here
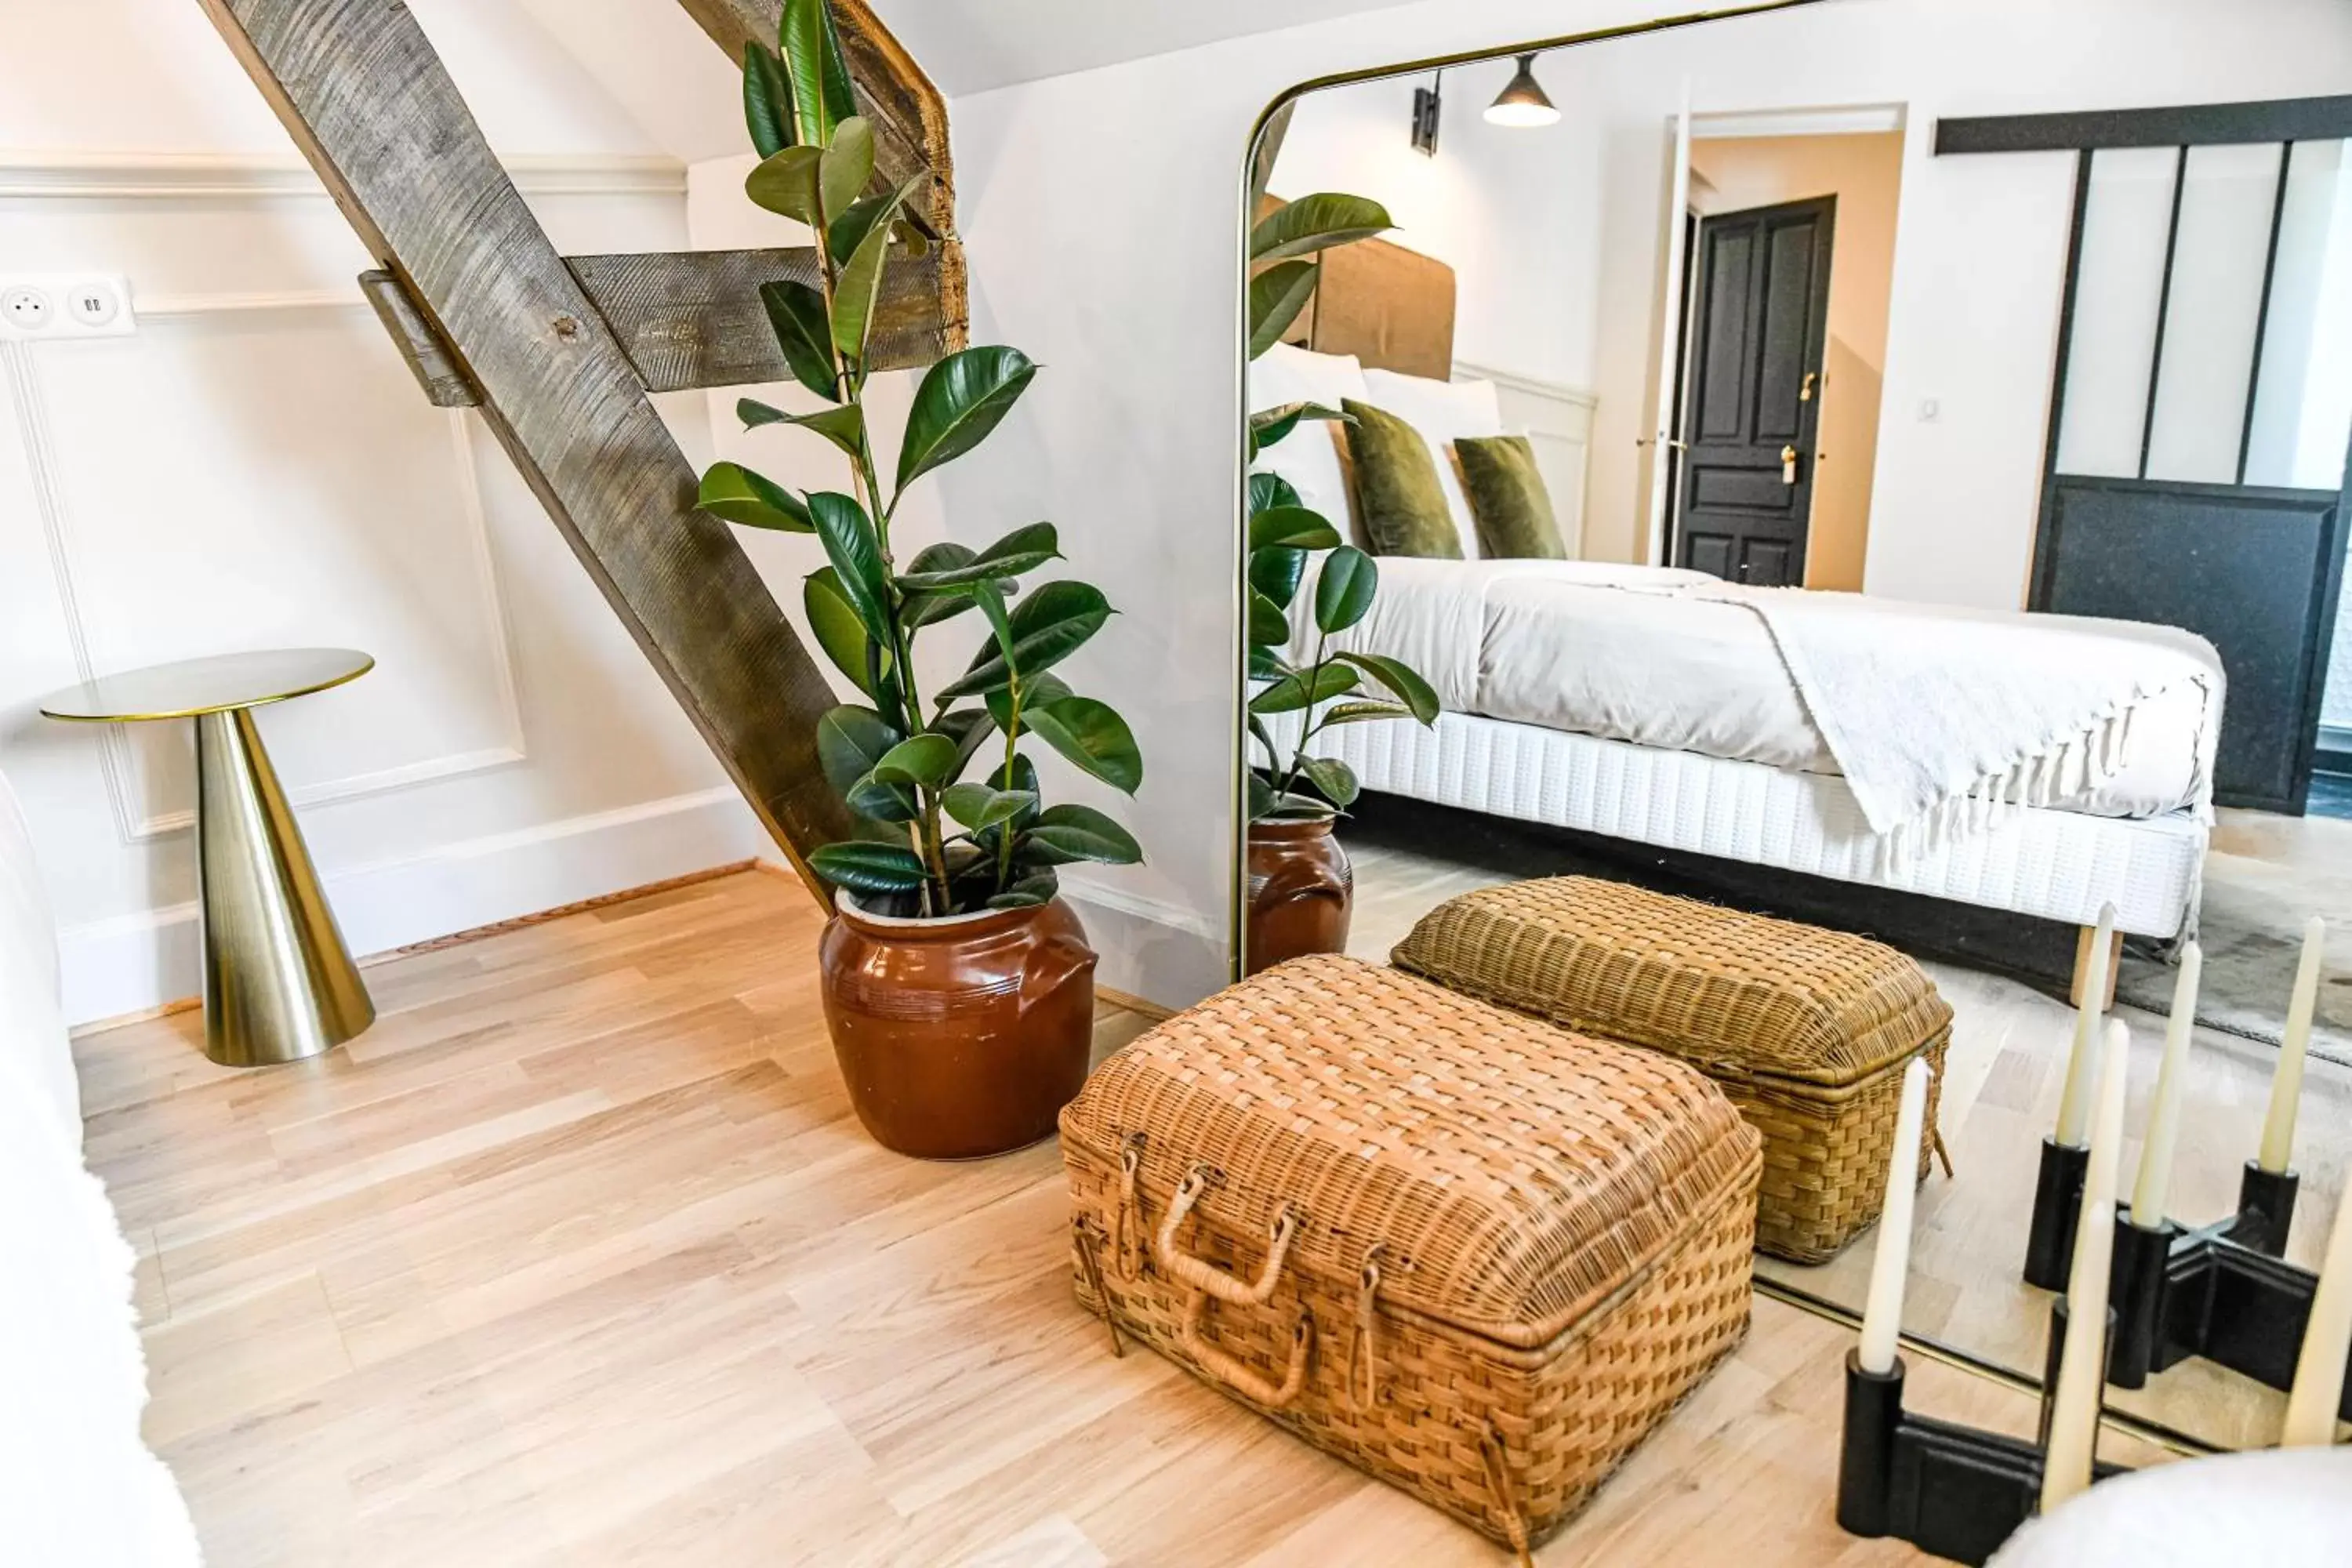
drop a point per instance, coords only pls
(1812, 588)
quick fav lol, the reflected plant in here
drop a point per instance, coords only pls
(1286, 250)
(929, 842)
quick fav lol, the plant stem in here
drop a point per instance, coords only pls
(1012, 739)
(1313, 676)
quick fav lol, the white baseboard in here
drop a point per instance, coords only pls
(133, 963)
(1168, 956)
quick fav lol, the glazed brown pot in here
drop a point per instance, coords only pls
(1301, 891)
(960, 1038)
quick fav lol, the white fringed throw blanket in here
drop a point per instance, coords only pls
(1946, 721)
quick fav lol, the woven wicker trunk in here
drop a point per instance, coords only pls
(1469, 1253)
(1807, 1030)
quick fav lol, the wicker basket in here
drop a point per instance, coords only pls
(1469, 1253)
(1807, 1030)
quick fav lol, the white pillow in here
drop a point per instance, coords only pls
(1444, 412)
(1309, 456)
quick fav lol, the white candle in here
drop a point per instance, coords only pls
(2286, 1083)
(1882, 1313)
(2148, 1195)
(2326, 1340)
(2082, 1370)
(2074, 1105)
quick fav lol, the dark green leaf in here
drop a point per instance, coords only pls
(1400, 678)
(856, 555)
(924, 760)
(843, 426)
(976, 805)
(822, 96)
(847, 165)
(1068, 832)
(1343, 594)
(858, 294)
(1022, 549)
(838, 631)
(1037, 689)
(1275, 297)
(1362, 712)
(1090, 734)
(1314, 223)
(1268, 625)
(1046, 627)
(1267, 491)
(1272, 425)
(1275, 572)
(1296, 807)
(1262, 736)
(1294, 527)
(734, 492)
(796, 316)
(849, 228)
(1040, 886)
(928, 609)
(767, 99)
(960, 402)
(1335, 778)
(1298, 690)
(864, 867)
(785, 182)
(1265, 664)
(849, 740)
(968, 728)
(1261, 796)
(882, 800)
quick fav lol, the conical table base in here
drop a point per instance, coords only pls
(279, 984)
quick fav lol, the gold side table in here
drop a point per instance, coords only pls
(279, 984)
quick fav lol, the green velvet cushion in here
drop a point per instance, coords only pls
(1508, 498)
(1397, 499)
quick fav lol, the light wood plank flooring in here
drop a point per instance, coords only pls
(579, 1258)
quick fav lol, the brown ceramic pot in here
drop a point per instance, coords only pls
(960, 1038)
(1301, 891)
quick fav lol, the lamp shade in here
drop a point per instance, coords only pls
(1523, 102)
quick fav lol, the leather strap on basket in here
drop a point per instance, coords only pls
(1084, 1229)
(1364, 1348)
(1127, 1243)
(1207, 1277)
(1506, 1499)
(1230, 1370)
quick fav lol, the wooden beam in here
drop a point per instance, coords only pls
(435, 368)
(693, 318)
(358, 87)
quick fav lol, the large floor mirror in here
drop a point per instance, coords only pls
(1699, 461)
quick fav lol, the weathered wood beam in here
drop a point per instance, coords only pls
(360, 88)
(435, 368)
(693, 318)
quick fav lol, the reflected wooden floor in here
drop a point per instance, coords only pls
(579, 1258)
(2003, 1076)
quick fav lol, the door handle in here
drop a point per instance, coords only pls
(1788, 465)
(1805, 393)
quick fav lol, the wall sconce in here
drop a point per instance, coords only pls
(1424, 116)
(1523, 102)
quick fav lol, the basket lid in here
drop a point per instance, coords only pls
(1735, 993)
(1513, 1175)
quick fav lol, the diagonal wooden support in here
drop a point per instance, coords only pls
(361, 89)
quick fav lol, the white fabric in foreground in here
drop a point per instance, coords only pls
(1308, 457)
(2279, 1508)
(32, 1023)
(1942, 719)
(1443, 412)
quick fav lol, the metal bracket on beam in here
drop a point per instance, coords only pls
(437, 368)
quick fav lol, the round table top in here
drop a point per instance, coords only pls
(215, 685)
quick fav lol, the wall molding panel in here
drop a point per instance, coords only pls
(1558, 419)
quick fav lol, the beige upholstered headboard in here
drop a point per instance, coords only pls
(1390, 307)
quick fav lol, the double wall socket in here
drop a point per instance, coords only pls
(39, 307)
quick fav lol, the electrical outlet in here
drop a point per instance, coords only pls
(47, 307)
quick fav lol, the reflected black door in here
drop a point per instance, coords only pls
(1759, 318)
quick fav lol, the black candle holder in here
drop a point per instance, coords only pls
(2057, 1200)
(1952, 1491)
(2223, 1292)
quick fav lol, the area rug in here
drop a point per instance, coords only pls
(2265, 877)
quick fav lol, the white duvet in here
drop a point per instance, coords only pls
(1680, 661)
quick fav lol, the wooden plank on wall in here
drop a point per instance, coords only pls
(360, 88)
(693, 318)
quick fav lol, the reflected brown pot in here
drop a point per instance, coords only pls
(1301, 891)
(960, 1038)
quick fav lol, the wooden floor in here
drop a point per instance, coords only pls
(578, 1257)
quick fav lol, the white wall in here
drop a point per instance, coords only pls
(1102, 209)
(258, 467)
(1513, 211)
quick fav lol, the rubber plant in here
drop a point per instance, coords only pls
(929, 841)
(1335, 686)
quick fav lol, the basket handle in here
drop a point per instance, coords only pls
(1207, 1277)
(1229, 1369)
